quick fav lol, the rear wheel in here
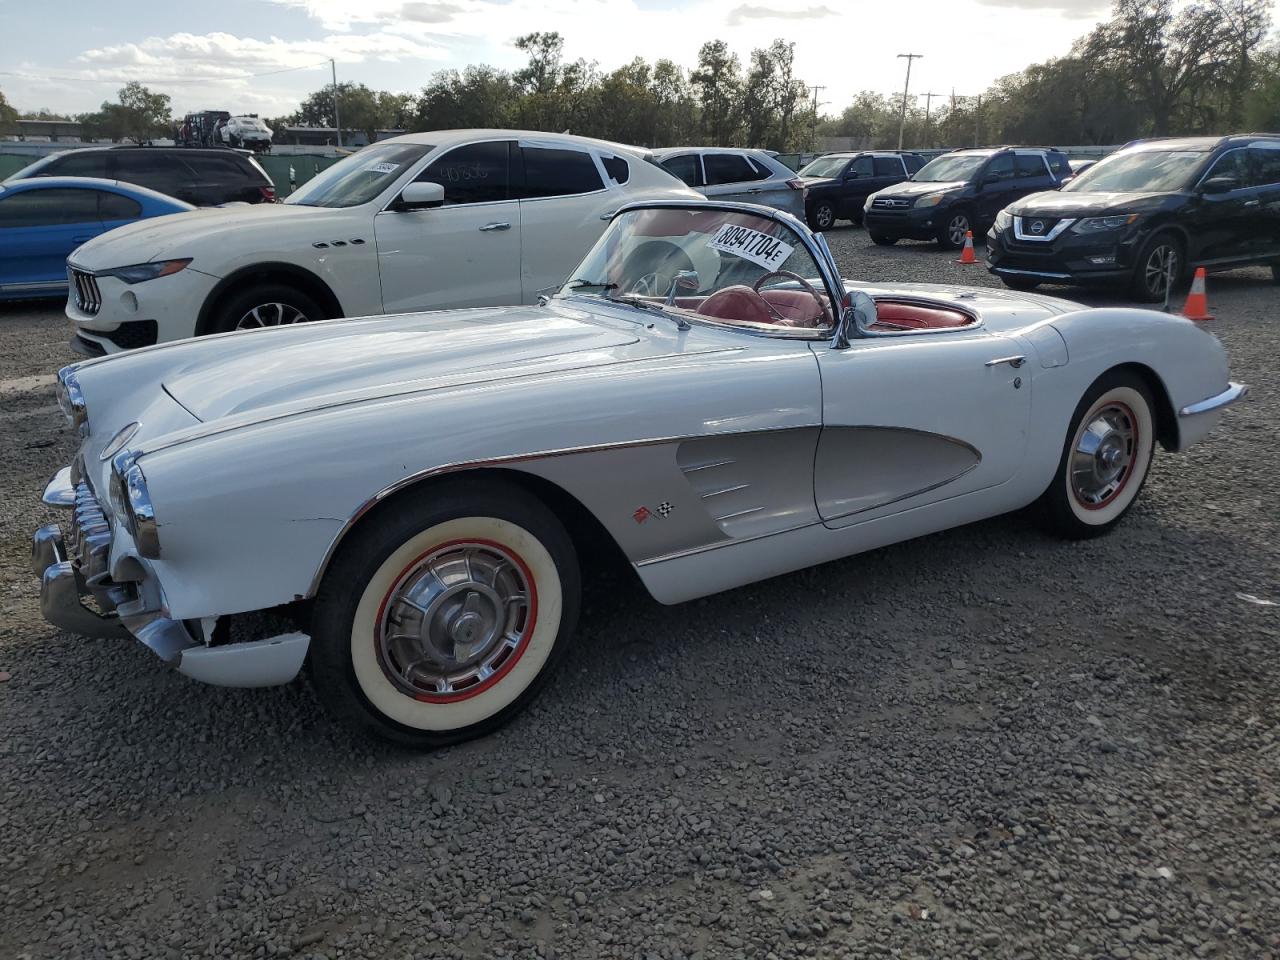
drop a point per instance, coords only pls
(881, 239)
(265, 305)
(954, 227)
(822, 215)
(1159, 264)
(1105, 460)
(439, 621)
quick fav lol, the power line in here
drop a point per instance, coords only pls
(161, 80)
(906, 90)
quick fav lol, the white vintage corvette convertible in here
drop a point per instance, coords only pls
(705, 395)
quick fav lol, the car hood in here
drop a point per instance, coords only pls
(811, 182)
(1054, 203)
(912, 188)
(294, 369)
(172, 236)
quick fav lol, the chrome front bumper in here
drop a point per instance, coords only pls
(1235, 391)
(78, 568)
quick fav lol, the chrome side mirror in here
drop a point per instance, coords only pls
(686, 282)
(857, 316)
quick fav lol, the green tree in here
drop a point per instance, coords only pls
(7, 115)
(479, 96)
(718, 83)
(138, 115)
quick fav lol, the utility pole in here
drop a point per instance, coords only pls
(928, 102)
(337, 121)
(906, 89)
(813, 130)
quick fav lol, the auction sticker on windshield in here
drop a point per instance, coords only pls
(760, 248)
(383, 167)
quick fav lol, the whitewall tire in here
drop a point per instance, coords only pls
(441, 618)
(1106, 458)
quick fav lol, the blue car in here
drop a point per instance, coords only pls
(43, 219)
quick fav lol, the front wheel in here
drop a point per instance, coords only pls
(1158, 266)
(440, 620)
(822, 216)
(1105, 460)
(265, 305)
(954, 227)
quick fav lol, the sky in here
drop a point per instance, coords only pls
(264, 56)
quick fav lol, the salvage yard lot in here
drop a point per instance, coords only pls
(985, 743)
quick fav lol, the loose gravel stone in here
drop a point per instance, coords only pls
(983, 744)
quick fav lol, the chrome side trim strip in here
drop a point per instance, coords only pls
(1234, 392)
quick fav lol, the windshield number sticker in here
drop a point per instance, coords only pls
(383, 167)
(760, 248)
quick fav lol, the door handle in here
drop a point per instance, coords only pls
(1251, 203)
(1015, 361)
(500, 225)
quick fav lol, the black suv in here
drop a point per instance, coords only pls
(1148, 213)
(203, 177)
(961, 191)
(836, 186)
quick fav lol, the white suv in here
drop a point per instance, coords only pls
(427, 221)
(248, 132)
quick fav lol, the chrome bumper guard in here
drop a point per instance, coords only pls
(1235, 391)
(70, 574)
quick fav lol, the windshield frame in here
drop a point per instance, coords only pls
(1195, 172)
(369, 154)
(981, 158)
(815, 245)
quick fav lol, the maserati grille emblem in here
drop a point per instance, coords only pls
(1037, 227)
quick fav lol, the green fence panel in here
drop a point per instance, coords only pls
(288, 172)
(11, 163)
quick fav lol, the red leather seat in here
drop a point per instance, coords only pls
(901, 314)
(738, 302)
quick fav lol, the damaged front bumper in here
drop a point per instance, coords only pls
(76, 568)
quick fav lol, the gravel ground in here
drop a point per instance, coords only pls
(981, 744)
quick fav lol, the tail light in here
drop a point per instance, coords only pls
(795, 183)
(268, 194)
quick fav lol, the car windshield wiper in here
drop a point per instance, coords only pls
(630, 301)
(601, 285)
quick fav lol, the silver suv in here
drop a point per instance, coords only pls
(725, 173)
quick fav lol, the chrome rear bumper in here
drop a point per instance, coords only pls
(1235, 391)
(78, 568)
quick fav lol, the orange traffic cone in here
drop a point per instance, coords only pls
(967, 255)
(1197, 305)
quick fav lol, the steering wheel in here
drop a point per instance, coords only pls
(808, 288)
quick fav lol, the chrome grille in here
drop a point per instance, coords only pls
(888, 203)
(90, 540)
(88, 298)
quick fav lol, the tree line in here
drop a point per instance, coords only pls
(651, 104)
(1149, 70)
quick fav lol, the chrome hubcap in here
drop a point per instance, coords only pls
(1161, 265)
(270, 315)
(824, 217)
(958, 227)
(455, 620)
(1103, 456)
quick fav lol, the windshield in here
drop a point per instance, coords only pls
(360, 177)
(824, 167)
(707, 265)
(1139, 171)
(954, 167)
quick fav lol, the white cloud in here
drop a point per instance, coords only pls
(747, 12)
(1071, 9)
